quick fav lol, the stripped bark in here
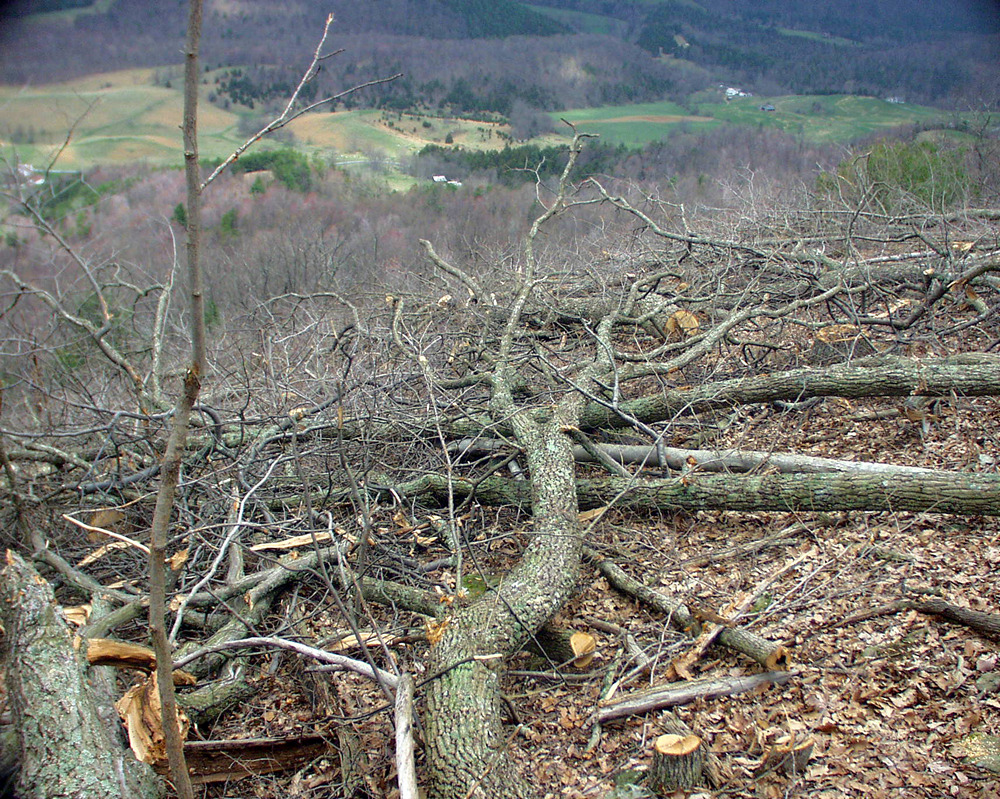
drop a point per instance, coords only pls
(685, 693)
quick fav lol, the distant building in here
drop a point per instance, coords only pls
(28, 174)
(895, 100)
(734, 92)
(440, 179)
(768, 107)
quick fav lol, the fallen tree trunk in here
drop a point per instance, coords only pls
(971, 374)
(684, 693)
(465, 742)
(64, 748)
(986, 623)
(961, 493)
(709, 460)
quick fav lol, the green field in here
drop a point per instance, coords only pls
(123, 117)
(631, 125)
(582, 21)
(820, 119)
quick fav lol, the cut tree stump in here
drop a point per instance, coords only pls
(788, 754)
(677, 763)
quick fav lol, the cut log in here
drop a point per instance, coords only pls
(561, 646)
(63, 747)
(767, 653)
(986, 623)
(677, 763)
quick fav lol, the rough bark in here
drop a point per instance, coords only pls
(465, 741)
(971, 374)
(64, 748)
(677, 763)
(965, 493)
(985, 623)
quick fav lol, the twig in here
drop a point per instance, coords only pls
(406, 772)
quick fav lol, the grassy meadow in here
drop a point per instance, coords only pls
(123, 117)
(632, 125)
(819, 118)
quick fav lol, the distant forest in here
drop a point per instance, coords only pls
(480, 56)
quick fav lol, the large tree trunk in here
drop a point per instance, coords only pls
(466, 746)
(64, 748)
(935, 491)
(971, 374)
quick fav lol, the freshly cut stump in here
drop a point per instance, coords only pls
(789, 755)
(677, 763)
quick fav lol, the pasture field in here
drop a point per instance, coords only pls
(122, 117)
(631, 125)
(818, 118)
(822, 118)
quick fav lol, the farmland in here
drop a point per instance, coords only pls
(125, 116)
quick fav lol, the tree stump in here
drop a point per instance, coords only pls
(677, 763)
(788, 754)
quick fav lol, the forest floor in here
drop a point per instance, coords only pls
(888, 695)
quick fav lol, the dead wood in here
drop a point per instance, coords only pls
(970, 374)
(123, 655)
(985, 623)
(677, 763)
(768, 654)
(563, 647)
(64, 747)
(788, 754)
(966, 493)
(684, 693)
(730, 553)
(730, 460)
(231, 760)
(406, 770)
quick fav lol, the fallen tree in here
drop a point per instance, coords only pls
(370, 478)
